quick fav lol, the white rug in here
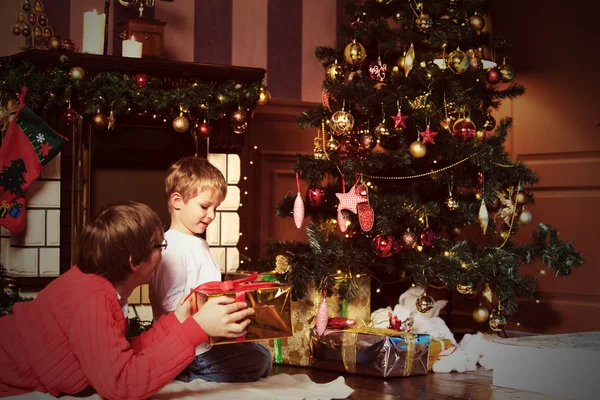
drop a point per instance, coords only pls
(277, 387)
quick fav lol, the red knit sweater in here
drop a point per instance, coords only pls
(73, 335)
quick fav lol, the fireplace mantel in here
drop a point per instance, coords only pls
(137, 142)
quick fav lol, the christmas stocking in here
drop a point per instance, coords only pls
(29, 144)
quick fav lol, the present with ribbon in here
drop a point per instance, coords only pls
(271, 302)
(295, 350)
(15, 210)
(370, 351)
(439, 348)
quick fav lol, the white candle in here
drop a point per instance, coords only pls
(93, 32)
(131, 48)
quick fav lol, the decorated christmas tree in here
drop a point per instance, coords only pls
(408, 155)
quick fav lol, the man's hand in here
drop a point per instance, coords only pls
(223, 317)
(184, 309)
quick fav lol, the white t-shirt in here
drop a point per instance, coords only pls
(186, 263)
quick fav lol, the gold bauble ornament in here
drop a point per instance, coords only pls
(282, 265)
(480, 314)
(458, 61)
(54, 43)
(100, 121)
(424, 303)
(525, 217)
(181, 124)
(382, 130)
(477, 22)
(263, 96)
(521, 198)
(417, 149)
(505, 235)
(497, 321)
(37, 7)
(77, 73)
(342, 122)
(334, 72)
(239, 129)
(424, 22)
(464, 289)
(355, 54)
(332, 145)
(452, 203)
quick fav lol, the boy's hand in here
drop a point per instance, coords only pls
(222, 316)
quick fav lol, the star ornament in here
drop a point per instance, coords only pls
(399, 120)
(349, 200)
(428, 135)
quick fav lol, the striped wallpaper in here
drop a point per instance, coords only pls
(278, 35)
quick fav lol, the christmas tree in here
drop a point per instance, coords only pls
(408, 155)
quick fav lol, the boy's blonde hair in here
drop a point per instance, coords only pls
(191, 175)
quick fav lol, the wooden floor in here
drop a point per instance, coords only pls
(476, 385)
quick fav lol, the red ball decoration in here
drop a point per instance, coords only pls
(378, 70)
(141, 80)
(26, 30)
(16, 30)
(427, 237)
(315, 196)
(32, 19)
(409, 240)
(71, 117)
(464, 129)
(239, 117)
(69, 45)
(204, 129)
(47, 33)
(43, 20)
(384, 245)
(493, 76)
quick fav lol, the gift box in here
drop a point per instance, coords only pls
(439, 348)
(295, 350)
(370, 351)
(271, 302)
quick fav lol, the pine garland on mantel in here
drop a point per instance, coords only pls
(121, 93)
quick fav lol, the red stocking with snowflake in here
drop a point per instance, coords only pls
(29, 144)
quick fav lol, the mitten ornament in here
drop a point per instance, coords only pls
(29, 145)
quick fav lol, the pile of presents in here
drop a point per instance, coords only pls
(346, 343)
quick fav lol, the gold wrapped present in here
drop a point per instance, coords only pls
(370, 351)
(271, 303)
(295, 350)
(439, 348)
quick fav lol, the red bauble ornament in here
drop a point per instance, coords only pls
(141, 80)
(32, 19)
(16, 30)
(464, 129)
(26, 30)
(47, 33)
(367, 141)
(493, 76)
(239, 117)
(315, 196)
(69, 45)
(71, 117)
(409, 239)
(43, 20)
(383, 245)
(427, 237)
(378, 70)
(204, 129)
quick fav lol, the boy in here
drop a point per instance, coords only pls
(72, 335)
(194, 189)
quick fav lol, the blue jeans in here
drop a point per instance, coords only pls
(239, 362)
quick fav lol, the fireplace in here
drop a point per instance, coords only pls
(98, 167)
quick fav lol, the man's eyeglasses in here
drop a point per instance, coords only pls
(162, 246)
